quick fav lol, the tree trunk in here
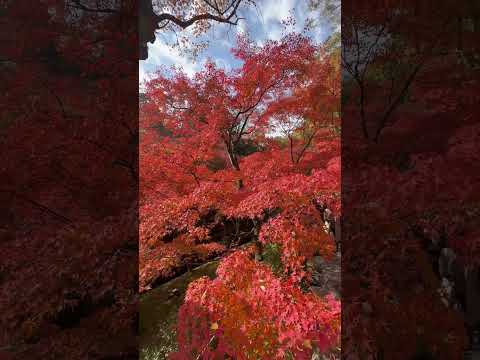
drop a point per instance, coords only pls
(147, 23)
(234, 162)
(258, 244)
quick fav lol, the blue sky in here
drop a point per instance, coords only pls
(262, 22)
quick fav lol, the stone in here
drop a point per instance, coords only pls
(318, 263)
(326, 276)
(174, 292)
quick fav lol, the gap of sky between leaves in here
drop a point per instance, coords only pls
(262, 22)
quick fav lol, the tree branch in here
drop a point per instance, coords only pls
(206, 16)
(394, 104)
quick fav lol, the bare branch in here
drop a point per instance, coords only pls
(206, 16)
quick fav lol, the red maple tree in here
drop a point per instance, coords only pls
(408, 119)
(257, 148)
(69, 165)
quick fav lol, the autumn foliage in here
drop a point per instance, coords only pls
(248, 312)
(249, 155)
(409, 163)
(69, 154)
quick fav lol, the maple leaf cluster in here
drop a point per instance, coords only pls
(249, 312)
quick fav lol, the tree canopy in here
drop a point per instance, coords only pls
(283, 101)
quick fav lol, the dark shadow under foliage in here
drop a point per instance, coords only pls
(410, 189)
(69, 150)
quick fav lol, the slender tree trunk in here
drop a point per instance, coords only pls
(236, 166)
(234, 162)
(258, 244)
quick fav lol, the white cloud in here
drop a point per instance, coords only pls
(275, 33)
(226, 42)
(144, 73)
(318, 34)
(222, 64)
(161, 54)
(241, 27)
(141, 73)
(277, 10)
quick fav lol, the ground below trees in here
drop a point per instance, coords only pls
(159, 306)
